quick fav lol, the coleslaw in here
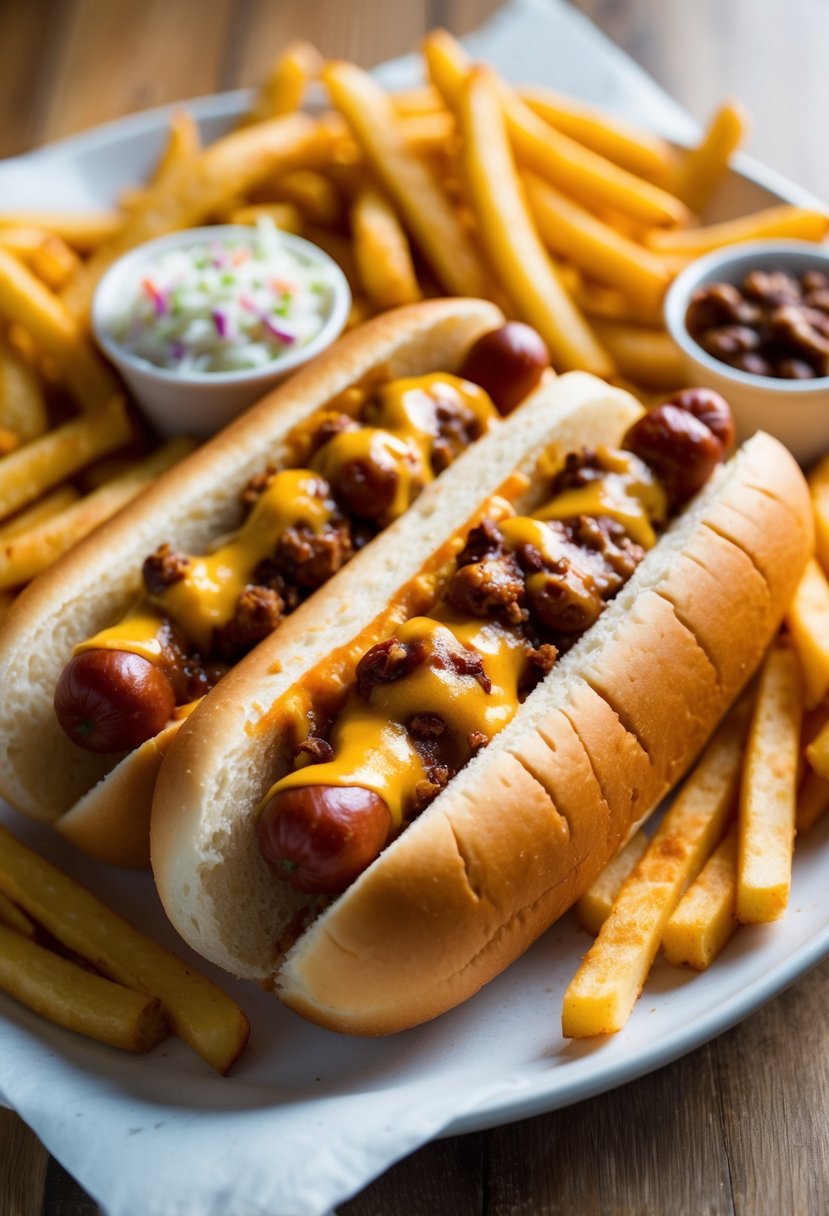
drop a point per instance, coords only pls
(224, 305)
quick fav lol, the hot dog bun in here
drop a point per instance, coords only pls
(205, 856)
(515, 838)
(42, 773)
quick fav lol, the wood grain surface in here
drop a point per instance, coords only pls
(739, 1126)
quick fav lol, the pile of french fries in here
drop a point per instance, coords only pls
(722, 854)
(72, 959)
(565, 216)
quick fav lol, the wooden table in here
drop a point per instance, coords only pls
(740, 1126)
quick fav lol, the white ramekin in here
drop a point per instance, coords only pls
(202, 403)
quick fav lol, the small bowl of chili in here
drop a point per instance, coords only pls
(752, 322)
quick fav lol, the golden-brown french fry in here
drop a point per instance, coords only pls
(817, 753)
(84, 231)
(341, 249)
(425, 210)
(602, 994)
(613, 305)
(284, 89)
(509, 237)
(429, 133)
(808, 621)
(198, 189)
(638, 151)
(768, 792)
(284, 215)
(411, 102)
(22, 404)
(22, 241)
(784, 220)
(572, 232)
(646, 356)
(23, 556)
(812, 802)
(54, 262)
(553, 156)
(75, 998)
(312, 192)
(361, 310)
(9, 441)
(704, 921)
(26, 474)
(14, 918)
(703, 168)
(45, 508)
(384, 260)
(819, 485)
(197, 1010)
(182, 146)
(593, 907)
(25, 300)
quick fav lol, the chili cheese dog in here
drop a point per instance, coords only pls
(105, 655)
(378, 832)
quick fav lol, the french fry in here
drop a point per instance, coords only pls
(196, 1009)
(817, 753)
(593, 907)
(23, 556)
(341, 249)
(819, 485)
(284, 89)
(198, 189)
(285, 216)
(409, 103)
(183, 145)
(613, 305)
(646, 356)
(428, 133)
(812, 802)
(767, 795)
(23, 241)
(22, 404)
(83, 230)
(13, 918)
(29, 303)
(638, 151)
(26, 474)
(704, 921)
(312, 193)
(808, 621)
(784, 220)
(553, 156)
(75, 998)
(572, 232)
(601, 996)
(509, 237)
(381, 248)
(9, 441)
(45, 508)
(53, 262)
(425, 210)
(703, 168)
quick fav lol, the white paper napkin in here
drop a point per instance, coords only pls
(308, 1118)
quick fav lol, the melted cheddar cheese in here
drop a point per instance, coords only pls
(404, 427)
(372, 745)
(627, 492)
(371, 739)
